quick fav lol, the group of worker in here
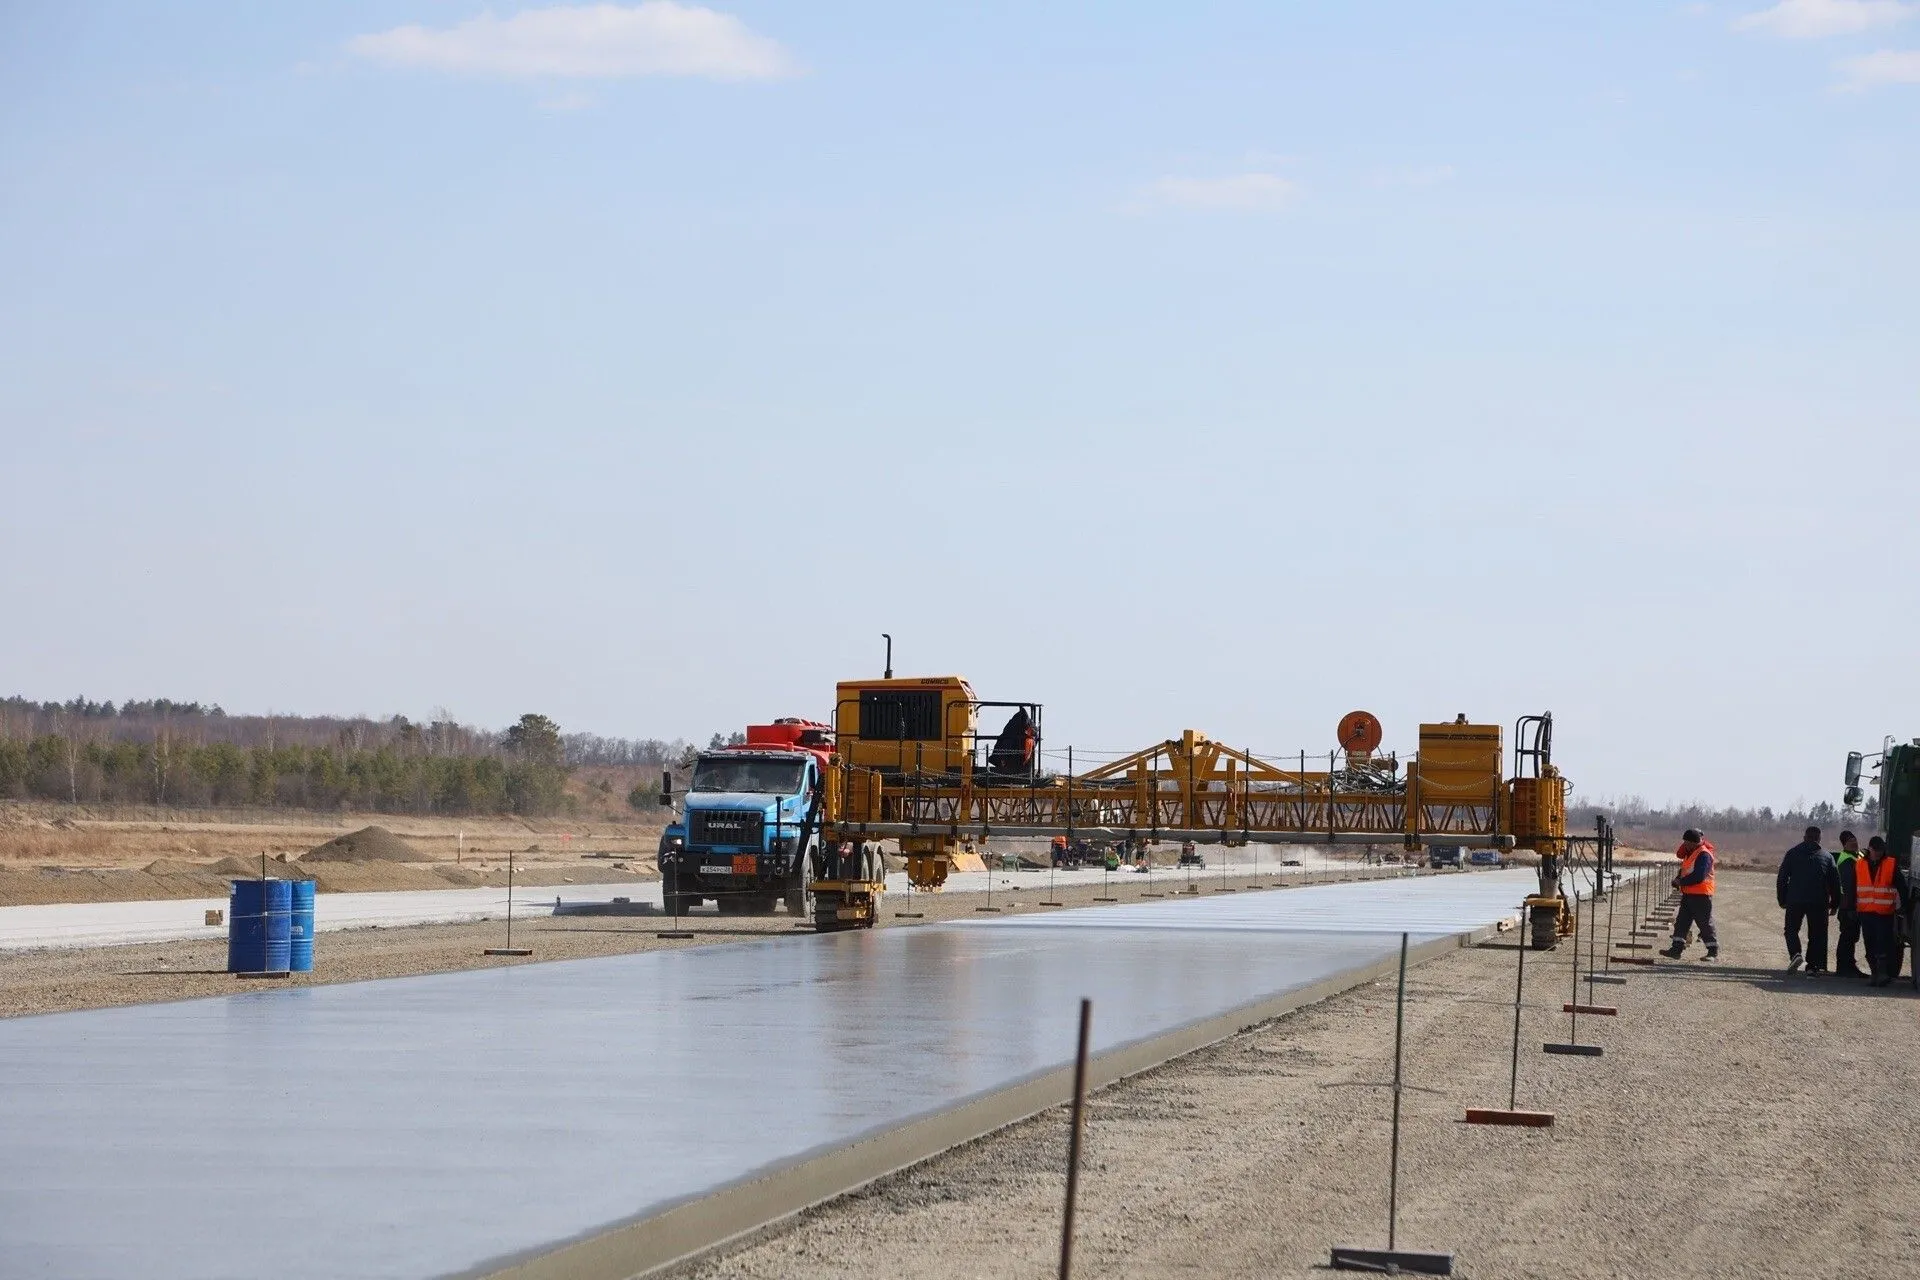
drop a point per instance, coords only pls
(1864, 888)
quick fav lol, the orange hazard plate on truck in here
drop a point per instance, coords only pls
(743, 864)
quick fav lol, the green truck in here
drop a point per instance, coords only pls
(1898, 781)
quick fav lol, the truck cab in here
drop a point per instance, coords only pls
(749, 827)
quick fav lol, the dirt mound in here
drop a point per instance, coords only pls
(369, 844)
(176, 867)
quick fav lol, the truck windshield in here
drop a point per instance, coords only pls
(744, 773)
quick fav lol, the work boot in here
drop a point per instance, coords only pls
(1794, 963)
(1674, 949)
(1713, 953)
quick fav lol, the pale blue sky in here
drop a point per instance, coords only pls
(1213, 365)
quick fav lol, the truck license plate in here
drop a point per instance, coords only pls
(716, 869)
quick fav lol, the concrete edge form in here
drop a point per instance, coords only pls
(687, 1231)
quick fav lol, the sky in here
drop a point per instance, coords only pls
(1220, 366)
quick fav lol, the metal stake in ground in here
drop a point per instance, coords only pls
(1606, 957)
(1593, 932)
(679, 905)
(1393, 1258)
(1079, 1124)
(509, 949)
(1512, 1115)
(1572, 1009)
(986, 861)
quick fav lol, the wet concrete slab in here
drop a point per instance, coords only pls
(448, 1124)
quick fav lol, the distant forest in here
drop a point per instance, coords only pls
(1757, 835)
(193, 754)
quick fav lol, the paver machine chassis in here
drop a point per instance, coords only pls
(912, 763)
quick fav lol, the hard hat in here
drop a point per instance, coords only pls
(1692, 836)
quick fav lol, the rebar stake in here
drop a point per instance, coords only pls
(509, 949)
(1392, 1258)
(1079, 1125)
(1513, 1115)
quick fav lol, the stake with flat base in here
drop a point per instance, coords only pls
(509, 949)
(1079, 1124)
(1593, 932)
(989, 866)
(679, 905)
(1513, 1115)
(1393, 1258)
(1606, 958)
(1572, 1009)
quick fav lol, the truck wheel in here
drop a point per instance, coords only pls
(797, 895)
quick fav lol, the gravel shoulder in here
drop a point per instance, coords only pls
(52, 981)
(1742, 1122)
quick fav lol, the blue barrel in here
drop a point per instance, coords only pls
(300, 946)
(259, 926)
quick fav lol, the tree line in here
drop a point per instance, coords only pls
(1635, 812)
(183, 761)
(206, 724)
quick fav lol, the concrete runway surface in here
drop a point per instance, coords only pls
(460, 1123)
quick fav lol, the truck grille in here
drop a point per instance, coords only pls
(738, 827)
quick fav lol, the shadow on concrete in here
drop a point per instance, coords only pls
(648, 930)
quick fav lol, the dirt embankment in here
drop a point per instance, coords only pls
(50, 855)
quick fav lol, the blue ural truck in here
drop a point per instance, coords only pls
(750, 826)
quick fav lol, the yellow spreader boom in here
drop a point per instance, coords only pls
(911, 763)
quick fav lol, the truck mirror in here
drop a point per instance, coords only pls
(666, 789)
(1852, 798)
(1853, 768)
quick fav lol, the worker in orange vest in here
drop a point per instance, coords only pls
(1695, 883)
(1878, 893)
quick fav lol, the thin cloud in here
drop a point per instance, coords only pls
(1239, 193)
(601, 41)
(1816, 19)
(1885, 66)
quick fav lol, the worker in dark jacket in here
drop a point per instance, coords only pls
(1846, 950)
(1807, 888)
(1880, 894)
(1695, 883)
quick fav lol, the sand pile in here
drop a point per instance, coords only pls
(176, 867)
(369, 844)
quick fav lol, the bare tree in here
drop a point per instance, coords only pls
(70, 749)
